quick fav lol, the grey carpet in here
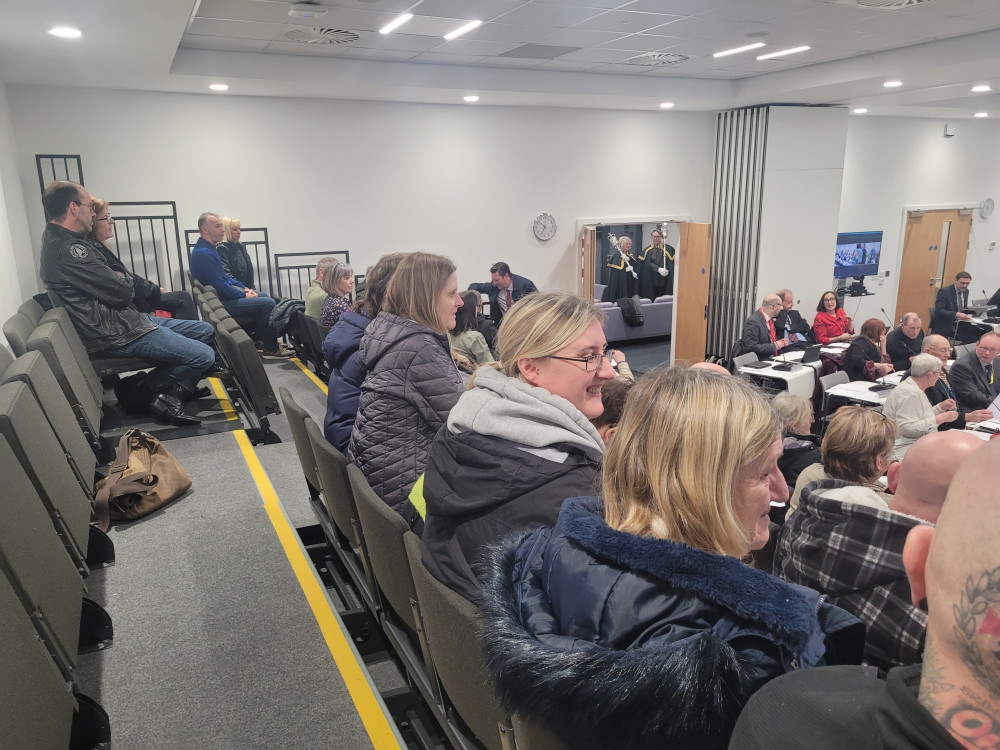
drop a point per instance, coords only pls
(643, 356)
(215, 645)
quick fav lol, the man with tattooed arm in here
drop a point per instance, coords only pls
(952, 700)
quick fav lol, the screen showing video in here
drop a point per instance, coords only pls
(857, 254)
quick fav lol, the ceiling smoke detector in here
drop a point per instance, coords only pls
(320, 35)
(883, 4)
(657, 58)
(307, 10)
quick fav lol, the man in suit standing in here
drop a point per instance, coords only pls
(789, 322)
(950, 302)
(504, 289)
(760, 335)
(903, 342)
(974, 376)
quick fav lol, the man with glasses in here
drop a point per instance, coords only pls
(759, 333)
(942, 390)
(99, 299)
(975, 376)
(903, 342)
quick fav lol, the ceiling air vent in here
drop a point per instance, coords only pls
(657, 58)
(320, 35)
(883, 4)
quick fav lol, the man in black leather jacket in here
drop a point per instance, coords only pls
(99, 297)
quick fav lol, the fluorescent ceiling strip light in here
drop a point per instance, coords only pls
(395, 23)
(219, 86)
(860, 111)
(666, 105)
(471, 98)
(463, 30)
(736, 50)
(65, 32)
(982, 114)
(892, 84)
(981, 87)
(783, 52)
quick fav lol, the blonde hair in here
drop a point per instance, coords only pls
(792, 410)
(854, 438)
(414, 289)
(541, 324)
(228, 222)
(671, 471)
(99, 205)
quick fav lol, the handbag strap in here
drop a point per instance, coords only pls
(115, 485)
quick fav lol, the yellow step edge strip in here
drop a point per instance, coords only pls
(311, 374)
(380, 730)
(223, 397)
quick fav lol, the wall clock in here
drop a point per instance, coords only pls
(544, 226)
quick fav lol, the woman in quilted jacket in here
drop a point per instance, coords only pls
(412, 381)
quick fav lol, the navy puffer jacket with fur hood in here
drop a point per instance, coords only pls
(616, 640)
(412, 384)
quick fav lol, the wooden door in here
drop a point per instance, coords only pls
(691, 293)
(935, 245)
(588, 244)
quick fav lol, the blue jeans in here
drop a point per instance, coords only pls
(255, 313)
(182, 346)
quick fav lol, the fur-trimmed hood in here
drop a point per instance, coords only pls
(616, 640)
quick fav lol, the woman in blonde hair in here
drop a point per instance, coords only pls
(233, 253)
(412, 382)
(634, 622)
(519, 441)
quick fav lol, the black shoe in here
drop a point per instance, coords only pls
(203, 392)
(218, 369)
(168, 408)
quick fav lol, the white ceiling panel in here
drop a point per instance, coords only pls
(432, 25)
(399, 42)
(579, 38)
(556, 16)
(352, 20)
(598, 55)
(644, 42)
(567, 65)
(386, 55)
(471, 10)
(604, 4)
(244, 10)
(307, 50)
(501, 32)
(385, 6)
(620, 69)
(678, 7)
(194, 41)
(476, 47)
(434, 57)
(626, 23)
(510, 62)
(758, 12)
(236, 29)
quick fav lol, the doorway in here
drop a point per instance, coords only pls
(935, 245)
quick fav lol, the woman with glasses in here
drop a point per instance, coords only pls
(149, 297)
(831, 323)
(634, 621)
(519, 441)
(909, 407)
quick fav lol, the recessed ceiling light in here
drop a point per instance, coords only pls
(395, 23)
(892, 84)
(783, 52)
(666, 105)
(981, 87)
(65, 32)
(219, 86)
(860, 111)
(736, 50)
(982, 114)
(471, 98)
(463, 30)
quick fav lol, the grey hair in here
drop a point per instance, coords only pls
(909, 317)
(924, 364)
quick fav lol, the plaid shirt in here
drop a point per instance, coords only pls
(854, 554)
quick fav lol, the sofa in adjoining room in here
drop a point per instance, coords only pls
(657, 316)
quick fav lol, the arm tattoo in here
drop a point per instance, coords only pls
(977, 629)
(972, 727)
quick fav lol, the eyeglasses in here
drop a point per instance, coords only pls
(593, 362)
(88, 205)
(109, 219)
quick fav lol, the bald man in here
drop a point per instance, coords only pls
(842, 542)
(952, 700)
(711, 367)
(759, 333)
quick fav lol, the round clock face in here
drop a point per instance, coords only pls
(544, 226)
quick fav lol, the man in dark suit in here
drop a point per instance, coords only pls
(760, 335)
(950, 302)
(974, 376)
(504, 289)
(903, 342)
(789, 322)
(943, 390)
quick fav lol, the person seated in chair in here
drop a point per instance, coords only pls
(790, 323)
(904, 341)
(760, 335)
(943, 390)
(974, 376)
(99, 294)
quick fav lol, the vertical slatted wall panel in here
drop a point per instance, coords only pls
(741, 137)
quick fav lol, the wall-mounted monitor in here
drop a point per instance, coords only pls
(857, 254)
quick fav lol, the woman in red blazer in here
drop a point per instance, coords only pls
(831, 322)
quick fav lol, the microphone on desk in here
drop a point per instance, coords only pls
(887, 318)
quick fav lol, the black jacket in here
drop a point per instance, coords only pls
(968, 378)
(621, 641)
(945, 307)
(800, 451)
(940, 392)
(901, 348)
(236, 262)
(95, 288)
(756, 336)
(519, 287)
(860, 352)
(794, 321)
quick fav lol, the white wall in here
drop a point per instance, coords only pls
(803, 176)
(18, 278)
(894, 162)
(371, 177)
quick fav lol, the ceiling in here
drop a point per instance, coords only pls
(561, 53)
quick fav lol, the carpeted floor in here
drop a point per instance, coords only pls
(643, 356)
(215, 645)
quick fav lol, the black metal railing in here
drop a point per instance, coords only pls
(258, 246)
(147, 240)
(52, 167)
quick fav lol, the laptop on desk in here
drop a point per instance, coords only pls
(811, 354)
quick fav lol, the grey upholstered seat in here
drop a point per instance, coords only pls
(17, 328)
(50, 341)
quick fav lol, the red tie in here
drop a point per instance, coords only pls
(770, 327)
(510, 300)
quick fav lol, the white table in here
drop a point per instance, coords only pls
(860, 391)
(800, 381)
(982, 434)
